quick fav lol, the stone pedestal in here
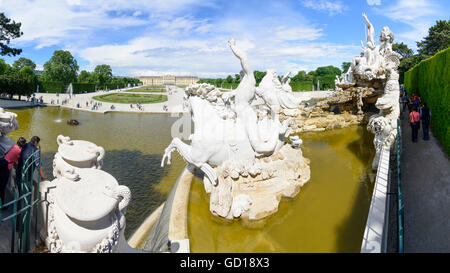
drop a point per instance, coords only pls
(256, 195)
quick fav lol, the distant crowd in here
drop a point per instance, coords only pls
(418, 113)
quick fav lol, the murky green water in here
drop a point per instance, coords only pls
(328, 215)
(134, 145)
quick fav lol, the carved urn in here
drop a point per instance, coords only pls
(80, 153)
(8, 122)
(87, 212)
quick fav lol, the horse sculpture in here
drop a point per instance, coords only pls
(228, 131)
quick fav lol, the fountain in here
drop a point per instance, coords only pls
(240, 147)
(70, 90)
(371, 82)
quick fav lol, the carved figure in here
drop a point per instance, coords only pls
(226, 129)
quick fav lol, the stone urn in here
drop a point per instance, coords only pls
(80, 153)
(87, 212)
(8, 122)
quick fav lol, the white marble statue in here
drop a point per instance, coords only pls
(285, 82)
(8, 122)
(384, 124)
(276, 97)
(84, 207)
(376, 68)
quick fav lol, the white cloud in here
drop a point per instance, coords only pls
(419, 15)
(172, 40)
(374, 2)
(332, 7)
(51, 22)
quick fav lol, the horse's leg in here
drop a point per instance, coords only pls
(182, 148)
(185, 151)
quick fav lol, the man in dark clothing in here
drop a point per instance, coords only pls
(27, 152)
(425, 116)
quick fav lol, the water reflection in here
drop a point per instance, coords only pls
(328, 215)
(134, 145)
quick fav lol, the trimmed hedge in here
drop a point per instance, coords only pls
(59, 87)
(81, 87)
(301, 86)
(51, 87)
(431, 80)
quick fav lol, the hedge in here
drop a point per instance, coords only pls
(431, 80)
(301, 86)
(51, 87)
(81, 87)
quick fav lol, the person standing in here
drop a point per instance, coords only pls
(425, 116)
(28, 150)
(414, 120)
(6, 163)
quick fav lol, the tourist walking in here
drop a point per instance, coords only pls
(6, 163)
(414, 120)
(425, 116)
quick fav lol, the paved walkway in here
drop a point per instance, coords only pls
(425, 171)
(174, 101)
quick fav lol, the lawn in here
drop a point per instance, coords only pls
(131, 98)
(148, 89)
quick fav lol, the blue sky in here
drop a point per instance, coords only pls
(189, 37)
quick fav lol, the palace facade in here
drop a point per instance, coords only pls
(168, 79)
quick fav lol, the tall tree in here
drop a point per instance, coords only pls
(3, 67)
(85, 77)
(62, 66)
(402, 49)
(103, 74)
(438, 39)
(22, 62)
(9, 30)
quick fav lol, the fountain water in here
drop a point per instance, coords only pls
(70, 90)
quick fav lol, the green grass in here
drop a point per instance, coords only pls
(148, 89)
(131, 98)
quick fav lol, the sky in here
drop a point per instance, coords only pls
(190, 37)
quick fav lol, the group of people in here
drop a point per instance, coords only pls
(16, 156)
(418, 112)
(94, 106)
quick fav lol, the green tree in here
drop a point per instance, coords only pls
(402, 49)
(259, 76)
(438, 39)
(62, 67)
(85, 77)
(237, 78)
(3, 67)
(103, 74)
(229, 79)
(8, 30)
(21, 62)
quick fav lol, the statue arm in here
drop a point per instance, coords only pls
(370, 30)
(285, 77)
